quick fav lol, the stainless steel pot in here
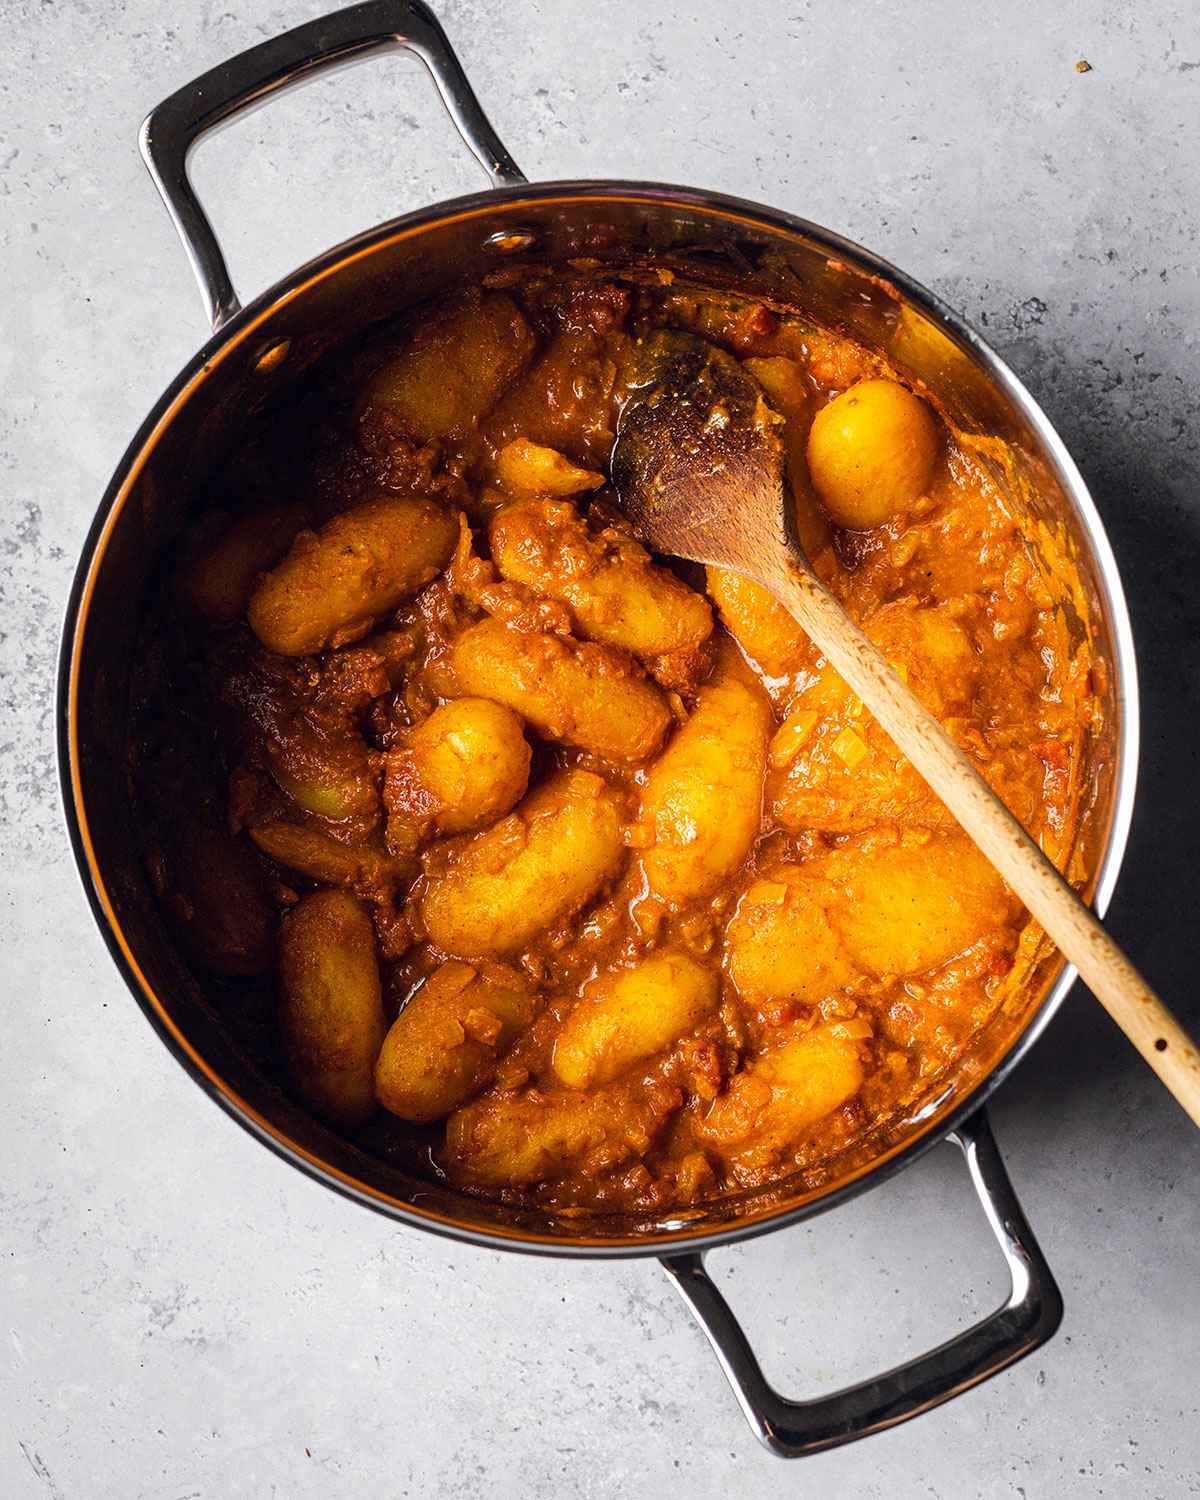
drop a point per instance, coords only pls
(255, 353)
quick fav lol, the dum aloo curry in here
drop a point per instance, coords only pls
(574, 871)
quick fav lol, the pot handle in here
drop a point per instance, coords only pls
(248, 80)
(1029, 1316)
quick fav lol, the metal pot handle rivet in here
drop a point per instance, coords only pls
(171, 130)
(1028, 1317)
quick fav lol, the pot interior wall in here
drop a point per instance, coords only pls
(336, 300)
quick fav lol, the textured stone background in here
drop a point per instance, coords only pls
(182, 1316)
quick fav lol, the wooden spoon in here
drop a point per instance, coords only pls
(699, 466)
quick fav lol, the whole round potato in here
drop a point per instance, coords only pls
(443, 1046)
(702, 799)
(515, 880)
(627, 1015)
(472, 759)
(332, 1012)
(336, 582)
(907, 908)
(871, 452)
(780, 945)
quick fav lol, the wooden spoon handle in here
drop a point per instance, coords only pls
(1105, 969)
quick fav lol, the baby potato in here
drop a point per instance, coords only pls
(703, 796)
(833, 768)
(334, 584)
(308, 852)
(871, 452)
(219, 900)
(615, 593)
(780, 945)
(582, 693)
(514, 1140)
(904, 908)
(465, 766)
(220, 582)
(453, 368)
(788, 1089)
(627, 1016)
(757, 621)
(810, 1076)
(525, 468)
(326, 770)
(791, 396)
(443, 1046)
(332, 1019)
(505, 886)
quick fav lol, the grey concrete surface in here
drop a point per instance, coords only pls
(182, 1316)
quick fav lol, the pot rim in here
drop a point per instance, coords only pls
(241, 328)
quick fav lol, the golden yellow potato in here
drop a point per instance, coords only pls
(811, 1076)
(325, 771)
(332, 1018)
(780, 945)
(525, 468)
(703, 796)
(628, 1015)
(513, 1140)
(336, 583)
(793, 398)
(615, 593)
(831, 766)
(579, 692)
(757, 621)
(453, 368)
(463, 767)
(443, 1046)
(904, 908)
(308, 852)
(218, 897)
(518, 878)
(220, 582)
(789, 1088)
(871, 452)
